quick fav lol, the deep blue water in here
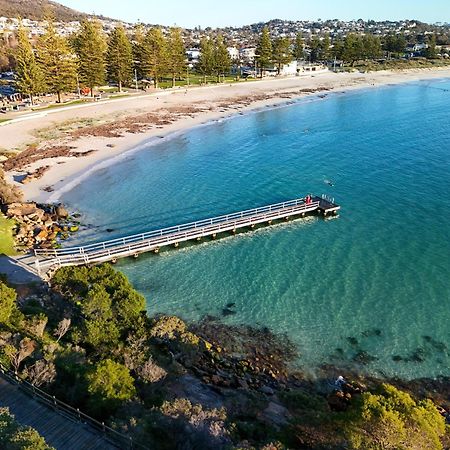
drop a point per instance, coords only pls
(380, 273)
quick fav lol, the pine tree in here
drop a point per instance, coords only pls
(206, 60)
(154, 55)
(57, 62)
(353, 48)
(281, 54)
(138, 50)
(298, 51)
(176, 54)
(315, 47)
(29, 77)
(325, 47)
(431, 51)
(222, 59)
(264, 50)
(119, 57)
(90, 47)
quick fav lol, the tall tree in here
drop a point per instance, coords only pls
(325, 47)
(176, 54)
(154, 55)
(371, 46)
(298, 51)
(431, 51)
(281, 54)
(394, 44)
(90, 47)
(315, 49)
(29, 77)
(353, 48)
(222, 59)
(57, 61)
(264, 50)
(206, 60)
(138, 45)
(119, 57)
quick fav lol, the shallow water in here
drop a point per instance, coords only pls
(376, 279)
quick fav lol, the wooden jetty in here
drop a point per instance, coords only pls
(51, 259)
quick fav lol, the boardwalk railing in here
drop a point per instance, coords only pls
(114, 437)
(47, 259)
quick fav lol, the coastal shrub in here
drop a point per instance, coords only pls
(205, 428)
(150, 372)
(16, 437)
(101, 290)
(392, 419)
(99, 332)
(172, 328)
(8, 299)
(109, 384)
(36, 324)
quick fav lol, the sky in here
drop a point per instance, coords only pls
(191, 13)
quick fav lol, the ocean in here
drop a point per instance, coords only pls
(368, 290)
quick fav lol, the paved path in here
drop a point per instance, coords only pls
(59, 431)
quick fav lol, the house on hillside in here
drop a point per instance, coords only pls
(234, 53)
(247, 54)
(413, 50)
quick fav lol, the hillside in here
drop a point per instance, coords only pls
(36, 9)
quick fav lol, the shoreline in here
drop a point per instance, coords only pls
(182, 114)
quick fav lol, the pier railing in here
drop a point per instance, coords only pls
(47, 259)
(171, 230)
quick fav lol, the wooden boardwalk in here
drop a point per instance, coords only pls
(48, 260)
(59, 431)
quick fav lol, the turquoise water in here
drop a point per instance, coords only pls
(375, 280)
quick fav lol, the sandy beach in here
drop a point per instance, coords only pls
(66, 144)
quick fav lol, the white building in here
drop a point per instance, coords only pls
(248, 53)
(233, 52)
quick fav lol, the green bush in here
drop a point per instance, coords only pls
(392, 419)
(110, 383)
(16, 437)
(8, 299)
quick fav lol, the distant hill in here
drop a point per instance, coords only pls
(36, 9)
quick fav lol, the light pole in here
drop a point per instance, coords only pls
(135, 75)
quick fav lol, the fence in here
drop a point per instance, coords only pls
(112, 436)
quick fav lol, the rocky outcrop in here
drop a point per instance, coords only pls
(39, 226)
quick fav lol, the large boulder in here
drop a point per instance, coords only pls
(21, 209)
(61, 212)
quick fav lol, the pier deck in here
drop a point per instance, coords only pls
(48, 260)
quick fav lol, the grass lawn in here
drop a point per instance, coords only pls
(6, 236)
(194, 80)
